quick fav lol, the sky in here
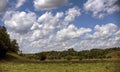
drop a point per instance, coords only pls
(57, 25)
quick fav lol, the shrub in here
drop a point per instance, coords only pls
(80, 58)
(109, 57)
(69, 58)
(42, 57)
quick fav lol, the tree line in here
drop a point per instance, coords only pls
(6, 44)
(72, 54)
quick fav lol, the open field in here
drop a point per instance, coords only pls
(61, 67)
(16, 63)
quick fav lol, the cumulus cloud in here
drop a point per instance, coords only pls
(46, 25)
(2, 5)
(20, 3)
(100, 8)
(105, 31)
(104, 36)
(48, 4)
(19, 22)
(72, 13)
(71, 32)
(55, 31)
(37, 32)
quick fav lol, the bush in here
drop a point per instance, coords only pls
(80, 58)
(42, 57)
(69, 58)
(109, 57)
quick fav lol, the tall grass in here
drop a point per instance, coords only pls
(61, 67)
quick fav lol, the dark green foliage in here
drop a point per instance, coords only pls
(97, 53)
(4, 42)
(6, 45)
(14, 46)
(72, 54)
(84, 54)
(80, 58)
(68, 57)
(42, 57)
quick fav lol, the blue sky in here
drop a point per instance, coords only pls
(44, 25)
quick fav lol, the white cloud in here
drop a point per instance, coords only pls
(103, 37)
(2, 5)
(54, 31)
(36, 32)
(20, 3)
(48, 4)
(100, 8)
(23, 22)
(47, 24)
(117, 38)
(19, 22)
(105, 31)
(72, 13)
(71, 32)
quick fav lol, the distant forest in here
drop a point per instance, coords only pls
(72, 54)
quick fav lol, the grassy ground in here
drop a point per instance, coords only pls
(21, 64)
(61, 67)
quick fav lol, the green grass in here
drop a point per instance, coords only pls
(60, 67)
(115, 54)
(10, 56)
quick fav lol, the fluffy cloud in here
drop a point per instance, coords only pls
(100, 8)
(48, 4)
(54, 31)
(3, 4)
(46, 25)
(49, 21)
(36, 32)
(71, 32)
(20, 3)
(19, 22)
(72, 13)
(104, 31)
(117, 38)
(104, 36)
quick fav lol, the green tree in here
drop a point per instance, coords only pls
(14, 46)
(4, 42)
(42, 57)
(6, 45)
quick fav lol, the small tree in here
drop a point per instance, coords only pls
(69, 58)
(42, 57)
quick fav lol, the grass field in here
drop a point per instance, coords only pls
(61, 67)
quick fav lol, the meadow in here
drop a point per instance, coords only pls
(59, 67)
